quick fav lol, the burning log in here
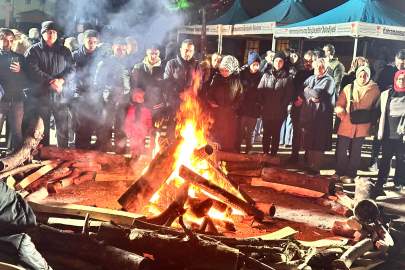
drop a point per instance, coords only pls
(29, 143)
(52, 152)
(282, 176)
(160, 169)
(50, 239)
(335, 206)
(342, 229)
(189, 251)
(221, 193)
(175, 209)
(233, 157)
(352, 254)
(365, 207)
(200, 208)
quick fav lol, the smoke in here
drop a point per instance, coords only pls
(148, 21)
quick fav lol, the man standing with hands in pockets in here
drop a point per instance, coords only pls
(51, 67)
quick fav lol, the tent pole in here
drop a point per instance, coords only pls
(365, 49)
(273, 44)
(220, 39)
(356, 41)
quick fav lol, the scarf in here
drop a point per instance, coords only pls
(230, 63)
(359, 70)
(399, 72)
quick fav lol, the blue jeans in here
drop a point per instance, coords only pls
(286, 130)
(15, 112)
(348, 166)
(258, 127)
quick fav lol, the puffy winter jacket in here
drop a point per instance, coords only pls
(13, 83)
(250, 106)
(45, 64)
(276, 91)
(113, 79)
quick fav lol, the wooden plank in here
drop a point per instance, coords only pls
(120, 217)
(327, 242)
(376, 261)
(102, 176)
(11, 182)
(34, 176)
(297, 191)
(284, 233)
(72, 222)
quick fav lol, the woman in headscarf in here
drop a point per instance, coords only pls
(316, 118)
(350, 76)
(391, 131)
(276, 91)
(225, 95)
(365, 94)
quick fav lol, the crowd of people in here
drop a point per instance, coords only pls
(116, 92)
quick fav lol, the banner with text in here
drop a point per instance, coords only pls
(340, 29)
(254, 29)
(381, 31)
(196, 29)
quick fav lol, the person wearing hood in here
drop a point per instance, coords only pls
(225, 96)
(391, 131)
(276, 91)
(51, 68)
(148, 76)
(182, 74)
(250, 109)
(86, 99)
(316, 117)
(362, 94)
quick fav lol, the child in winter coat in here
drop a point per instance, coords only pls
(138, 123)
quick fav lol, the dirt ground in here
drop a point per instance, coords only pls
(302, 214)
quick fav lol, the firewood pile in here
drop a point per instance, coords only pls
(135, 239)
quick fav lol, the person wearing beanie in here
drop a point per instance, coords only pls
(138, 123)
(391, 131)
(365, 94)
(276, 91)
(225, 97)
(249, 110)
(51, 69)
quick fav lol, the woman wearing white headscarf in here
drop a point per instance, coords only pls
(365, 94)
(316, 118)
(225, 95)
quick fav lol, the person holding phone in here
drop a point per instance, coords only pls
(12, 79)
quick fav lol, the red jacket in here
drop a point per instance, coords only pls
(140, 125)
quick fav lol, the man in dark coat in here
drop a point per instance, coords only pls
(385, 81)
(148, 75)
(171, 52)
(51, 68)
(181, 74)
(17, 217)
(13, 79)
(267, 63)
(87, 101)
(299, 79)
(249, 111)
(113, 80)
(335, 68)
(133, 56)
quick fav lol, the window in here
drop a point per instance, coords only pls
(251, 45)
(282, 44)
(28, 2)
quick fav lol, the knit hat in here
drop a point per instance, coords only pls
(253, 57)
(279, 54)
(230, 63)
(136, 91)
(49, 25)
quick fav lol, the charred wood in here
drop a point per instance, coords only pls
(29, 143)
(365, 207)
(160, 169)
